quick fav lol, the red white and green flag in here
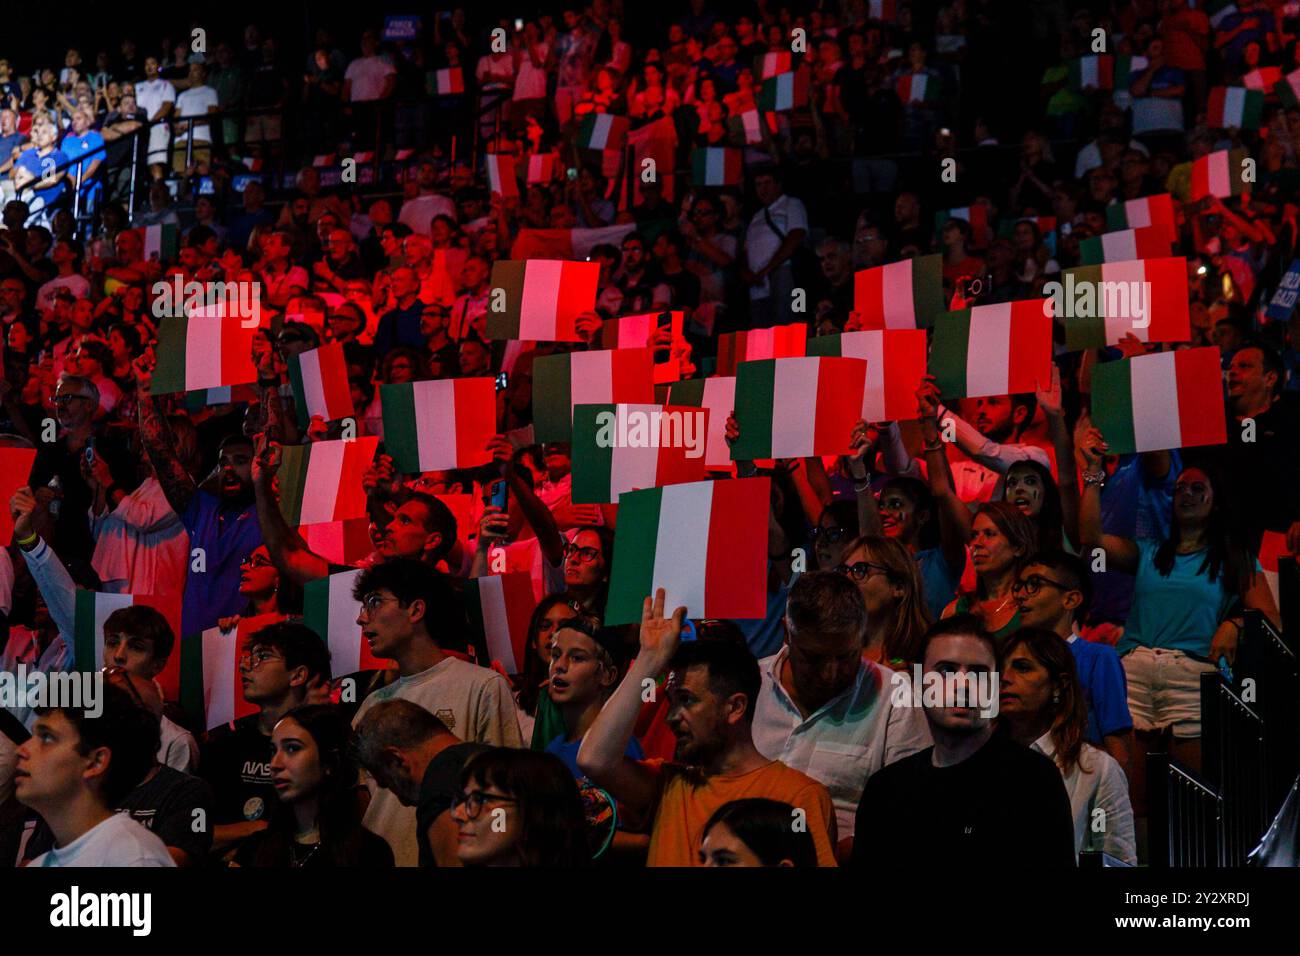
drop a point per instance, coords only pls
(883, 10)
(1218, 174)
(919, 88)
(1001, 349)
(92, 608)
(203, 350)
(319, 378)
(542, 299)
(1148, 242)
(637, 332)
(797, 407)
(501, 175)
(329, 609)
(212, 689)
(1235, 107)
(608, 376)
(1272, 551)
(1147, 298)
(772, 64)
(566, 243)
(1096, 72)
(716, 166)
(704, 543)
(976, 215)
(717, 395)
(1262, 78)
(900, 295)
(339, 542)
(449, 81)
(440, 424)
(896, 363)
(542, 167)
(159, 242)
(785, 91)
(500, 607)
(321, 481)
(1160, 401)
(778, 341)
(1153, 211)
(1288, 89)
(622, 448)
(602, 131)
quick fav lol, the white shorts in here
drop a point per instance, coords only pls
(1164, 689)
(159, 140)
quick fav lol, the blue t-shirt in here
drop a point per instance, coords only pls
(568, 752)
(227, 536)
(938, 583)
(75, 147)
(765, 637)
(1179, 612)
(1104, 688)
(38, 166)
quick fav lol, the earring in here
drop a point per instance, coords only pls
(1056, 697)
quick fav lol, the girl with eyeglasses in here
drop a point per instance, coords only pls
(317, 820)
(890, 582)
(835, 530)
(264, 588)
(519, 808)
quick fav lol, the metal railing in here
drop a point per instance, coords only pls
(1266, 675)
(1235, 763)
(1185, 817)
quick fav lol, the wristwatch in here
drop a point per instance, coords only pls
(1097, 478)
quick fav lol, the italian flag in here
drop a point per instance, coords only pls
(321, 481)
(785, 91)
(895, 368)
(330, 610)
(1263, 79)
(1104, 309)
(1002, 349)
(919, 88)
(779, 341)
(1218, 174)
(1093, 72)
(203, 350)
(449, 81)
(500, 607)
(1272, 551)
(1235, 107)
(622, 448)
(716, 394)
(882, 9)
(771, 64)
(15, 467)
(976, 215)
(637, 332)
(319, 378)
(160, 242)
(542, 167)
(1160, 401)
(439, 424)
(543, 298)
(602, 131)
(501, 175)
(566, 243)
(339, 542)
(900, 295)
(92, 609)
(1156, 211)
(617, 376)
(1147, 242)
(1288, 90)
(797, 407)
(211, 687)
(704, 543)
(715, 166)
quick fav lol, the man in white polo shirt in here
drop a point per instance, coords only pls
(157, 97)
(825, 711)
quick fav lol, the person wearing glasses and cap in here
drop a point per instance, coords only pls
(1053, 591)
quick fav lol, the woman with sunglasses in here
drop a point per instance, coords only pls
(1190, 594)
(890, 582)
(519, 808)
(317, 821)
(1042, 706)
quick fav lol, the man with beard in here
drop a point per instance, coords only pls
(222, 522)
(712, 687)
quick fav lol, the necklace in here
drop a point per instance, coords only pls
(295, 861)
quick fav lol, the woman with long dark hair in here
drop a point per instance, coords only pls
(530, 685)
(1001, 536)
(519, 808)
(1042, 706)
(890, 582)
(1029, 486)
(1190, 593)
(588, 555)
(317, 822)
(756, 832)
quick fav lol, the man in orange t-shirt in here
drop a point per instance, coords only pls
(711, 691)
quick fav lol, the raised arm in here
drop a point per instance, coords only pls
(864, 448)
(1121, 552)
(159, 441)
(1067, 481)
(288, 551)
(954, 516)
(536, 513)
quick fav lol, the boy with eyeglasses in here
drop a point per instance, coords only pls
(283, 666)
(1053, 591)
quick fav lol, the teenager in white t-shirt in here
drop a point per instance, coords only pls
(76, 766)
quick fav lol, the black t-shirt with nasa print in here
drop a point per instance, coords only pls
(236, 761)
